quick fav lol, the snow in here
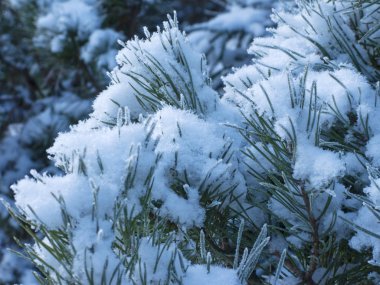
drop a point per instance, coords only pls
(226, 36)
(100, 48)
(163, 145)
(172, 130)
(128, 88)
(198, 274)
(287, 84)
(72, 24)
(373, 147)
(46, 207)
(324, 166)
(65, 17)
(248, 19)
(154, 261)
(367, 220)
(107, 104)
(174, 156)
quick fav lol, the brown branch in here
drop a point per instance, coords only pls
(307, 276)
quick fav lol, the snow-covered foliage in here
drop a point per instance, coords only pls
(226, 37)
(23, 148)
(154, 152)
(65, 20)
(37, 102)
(99, 48)
(22, 141)
(312, 124)
(368, 234)
(64, 25)
(50, 49)
(169, 182)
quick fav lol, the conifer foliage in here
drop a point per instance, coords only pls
(53, 60)
(311, 112)
(141, 178)
(275, 180)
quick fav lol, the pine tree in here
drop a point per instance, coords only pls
(154, 197)
(54, 56)
(311, 111)
(274, 181)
